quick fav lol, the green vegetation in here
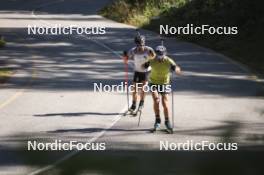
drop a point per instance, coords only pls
(5, 73)
(138, 12)
(247, 15)
(2, 42)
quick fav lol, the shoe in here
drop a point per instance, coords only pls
(132, 109)
(156, 126)
(168, 126)
(140, 107)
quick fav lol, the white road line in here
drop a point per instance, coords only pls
(107, 47)
(215, 75)
(73, 153)
(33, 76)
(117, 117)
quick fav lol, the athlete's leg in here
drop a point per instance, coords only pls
(134, 97)
(155, 97)
(135, 92)
(142, 93)
(143, 81)
(165, 104)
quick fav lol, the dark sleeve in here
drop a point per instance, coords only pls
(173, 67)
(146, 65)
(172, 64)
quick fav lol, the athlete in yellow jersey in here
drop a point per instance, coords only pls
(161, 67)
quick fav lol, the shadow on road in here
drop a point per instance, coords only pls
(93, 130)
(154, 162)
(77, 114)
(227, 131)
(147, 162)
(76, 63)
(247, 160)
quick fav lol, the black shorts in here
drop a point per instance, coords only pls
(140, 77)
(161, 89)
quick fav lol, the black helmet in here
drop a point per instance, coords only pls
(140, 40)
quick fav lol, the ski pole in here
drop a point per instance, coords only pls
(172, 101)
(172, 95)
(139, 118)
(140, 112)
(126, 77)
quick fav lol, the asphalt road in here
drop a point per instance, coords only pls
(51, 95)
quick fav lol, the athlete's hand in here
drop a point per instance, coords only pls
(151, 53)
(125, 53)
(178, 70)
(125, 57)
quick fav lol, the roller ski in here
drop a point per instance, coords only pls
(157, 128)
(131, 111)
(168, 129)
(139, 110)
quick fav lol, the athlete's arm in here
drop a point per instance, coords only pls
(175, 67)
(146, 65)
(151, 53)
(128, 54)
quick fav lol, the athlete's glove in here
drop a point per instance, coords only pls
(125, 53)
(125, 56)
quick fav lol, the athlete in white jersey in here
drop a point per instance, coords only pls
(140, 54)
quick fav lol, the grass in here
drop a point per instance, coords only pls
(247, 15)
(2, 43)
(5, 74)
